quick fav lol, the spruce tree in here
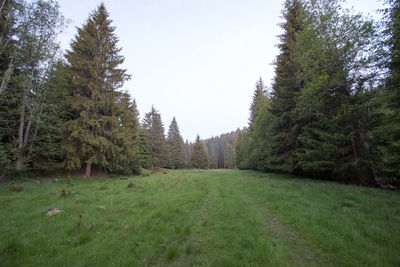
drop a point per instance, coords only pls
(199, 157)
(286, 87)
(121, 130)
(389, 130)
(258, 99)
(176, 146)
(157, 141)
(101, 118)
(332, 107)
(144, 147)
(259, 144)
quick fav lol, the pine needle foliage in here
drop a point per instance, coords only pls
(199, 158)
(158, 149)
(102, 125)
(175, 146)
(286, 87)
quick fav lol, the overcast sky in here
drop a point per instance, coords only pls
(197, 60)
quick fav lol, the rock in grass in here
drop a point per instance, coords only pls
(16, 188)
(131, 185)
(53, 212)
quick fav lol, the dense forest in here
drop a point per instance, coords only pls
(332, 112)
(333, 109)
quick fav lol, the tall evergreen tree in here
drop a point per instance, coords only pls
(246, 147)
(157, 141)
(389, 131)
(282, 133)
(199, 158)
(176, 146)
(336, 71)
(101, 118)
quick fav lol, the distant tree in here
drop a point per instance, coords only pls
(243, 152)
(102, 124)
(188, 152)
(258, 99)
(221, 150)
(176, 146)
(157, 141)
(199, 158)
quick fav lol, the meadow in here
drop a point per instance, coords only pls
(192, 217)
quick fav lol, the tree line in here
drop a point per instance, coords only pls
(68, 111)
(333, 111)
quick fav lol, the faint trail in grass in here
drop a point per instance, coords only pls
(228, 233)
(300, 253)
(208, 218)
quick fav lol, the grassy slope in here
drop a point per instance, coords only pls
(218, 217)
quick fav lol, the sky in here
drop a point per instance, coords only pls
(197, 60)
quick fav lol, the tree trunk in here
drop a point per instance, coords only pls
(6, 76)
(21, 135)
(88, 168)
(28, 130)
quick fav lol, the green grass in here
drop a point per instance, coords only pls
(213, 218)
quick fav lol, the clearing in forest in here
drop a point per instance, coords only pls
(191, 217)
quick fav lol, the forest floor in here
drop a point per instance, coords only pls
(191, 217)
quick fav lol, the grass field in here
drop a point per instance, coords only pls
(190, 217)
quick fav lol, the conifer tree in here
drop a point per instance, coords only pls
(121, 130)
(239, 150)
(246, 146)
(243, 153)
(188, 152)
(389, 130)
(144, 147)
(259, 143)
(199, 157)
(101, 129)
(286, 87)
(221, 150)
(47, 132)
(176, 146)
(157, 141)
(332, 106)
(258, 99)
